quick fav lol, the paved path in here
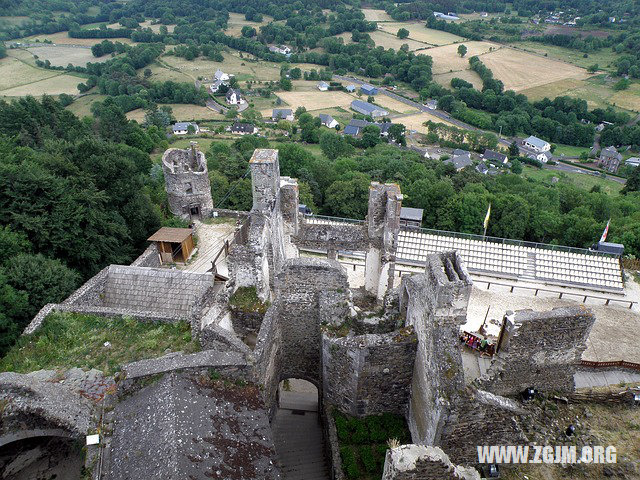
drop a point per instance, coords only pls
(602, 378)
(298, 437)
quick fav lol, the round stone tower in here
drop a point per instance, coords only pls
(187, 182)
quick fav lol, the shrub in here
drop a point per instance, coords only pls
(349, 464)
(361, 433)
(368, 459)
(376, 429)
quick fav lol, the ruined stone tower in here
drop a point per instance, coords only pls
(187, 182)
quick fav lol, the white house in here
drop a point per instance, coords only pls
(328, 120)
(220, 75)
(282, 114)
(182, 128)
(233, 97)
(536, 144)
(323, 86)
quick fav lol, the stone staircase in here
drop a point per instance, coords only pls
(530, 270)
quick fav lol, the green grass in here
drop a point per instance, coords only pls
(363, 442)
(581, 180)
(246, 299)
(67, 340)
(604, 57)
(569, 150)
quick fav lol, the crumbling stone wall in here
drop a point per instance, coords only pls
(419, 462)
(481, 418)
(539, 349)
(435, 305)
(268, 358)
(369, 374)
(248, 257)
(187, 181)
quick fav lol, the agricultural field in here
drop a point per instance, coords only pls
(63, 38)
(420, 33)
(19, 78)
(470, 76)
(578, 179)
(13, 20)
(391, 104)
(416, 121)
(237, 21)
(389, 40)
(14, 72)
(520, 70)
(63, 55)
(146, 24)
(604, 58)
(182, 112)
(81, 107)
(372, 15)
(314, 100)
(446, 59)
(597, 91)
(55, 85)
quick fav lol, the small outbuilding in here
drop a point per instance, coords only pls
(175, 245)
(411, 217)
(367, 89)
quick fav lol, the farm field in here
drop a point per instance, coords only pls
(372, 15)
(391, 104)
(578, 179)
(146, 24)
(54, 85)
(81, 107)
(596, 91)
(446, 59)
(470, 76)
(516, 69)
(604, 57)
(13, 20)
(415, 122)
(63, 55)
(14, 72)
(237, 21)
(182, 113)
(388, 40)
(315, 100)
(63, 38)
(417, 31)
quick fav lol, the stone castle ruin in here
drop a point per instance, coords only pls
(187, 182)
(391, 346)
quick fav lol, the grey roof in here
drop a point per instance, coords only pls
(408, 213)
(231, 91)
(633, 161)
(493, 155)
(459, 151)
(324, 118)
(169, 292)
(536, 142)
(367, 108)
(610, 152)
(281, 112)
(350, 88)
(368, 87)
(219, 73)
(187, 426)
(242, 127)
(460, 161)
(182, 126)
(323, 84)
(356, 122)
(482, 168)
(352, 130)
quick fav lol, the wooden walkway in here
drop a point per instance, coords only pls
(298, 438)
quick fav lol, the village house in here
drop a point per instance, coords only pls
(243, 129)
(234, 97)
(350, 88)
(282, 114)
(495, 157)
(411, 217)
(366, 108)
(482, 168)
(282, 49)
(632, 161)
(182, 128)
(536, 144)
(220, 75)
(610, 159)
(328, 120)
(323, 86)
(355, 126)
(367, 89)
(461, 159)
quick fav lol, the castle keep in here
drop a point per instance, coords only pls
(390, 345)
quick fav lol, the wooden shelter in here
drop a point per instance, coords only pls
(174, 244)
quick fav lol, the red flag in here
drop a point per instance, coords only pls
(606, 231)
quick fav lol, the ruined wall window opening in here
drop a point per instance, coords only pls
(189, 188)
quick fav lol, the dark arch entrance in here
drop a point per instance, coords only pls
(58, 457)
(298, 431)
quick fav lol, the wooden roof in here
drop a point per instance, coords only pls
(172, 235)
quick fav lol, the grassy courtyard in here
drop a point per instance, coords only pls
(68, 340)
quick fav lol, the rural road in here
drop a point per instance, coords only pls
(503, 141)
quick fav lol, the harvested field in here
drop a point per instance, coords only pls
(14, 73)
(237, 21)
(146, 24)
(63, 55)
(388, 40)
(81, 107)
(519, 70)
(470, 76)
(372, 15)
(420, 33)
(51, 86)
(391, 104)
(316, 100)
(605, 58)
(63, 38)
(446, 59)
(182, 113)
(415, 122)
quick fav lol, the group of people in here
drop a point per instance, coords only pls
(482, 345)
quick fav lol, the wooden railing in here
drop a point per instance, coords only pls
(618, 363)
